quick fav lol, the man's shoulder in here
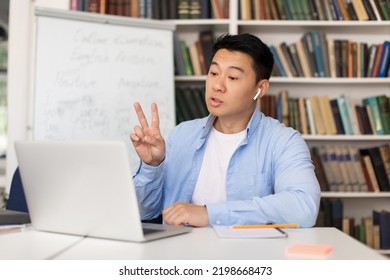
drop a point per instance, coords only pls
(277, 129)
(276, 125)
(190, 124)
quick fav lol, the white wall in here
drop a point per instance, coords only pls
(20, 65)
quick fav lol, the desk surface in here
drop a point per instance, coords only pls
(200, 244)
(31, 244)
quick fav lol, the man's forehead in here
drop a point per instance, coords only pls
(232, 59)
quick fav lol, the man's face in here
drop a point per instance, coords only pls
(231, 85)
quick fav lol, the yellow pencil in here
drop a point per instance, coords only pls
(266, 226)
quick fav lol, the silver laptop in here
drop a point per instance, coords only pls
(84, 188)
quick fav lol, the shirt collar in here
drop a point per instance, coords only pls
(250, 128)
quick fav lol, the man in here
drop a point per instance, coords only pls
(235, 166)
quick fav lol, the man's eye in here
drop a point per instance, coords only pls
(233, 78)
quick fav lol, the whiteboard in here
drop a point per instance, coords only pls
(89, 71)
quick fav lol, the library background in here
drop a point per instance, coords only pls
(331, 82)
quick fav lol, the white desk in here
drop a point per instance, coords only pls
(200, 244)
(30, 244)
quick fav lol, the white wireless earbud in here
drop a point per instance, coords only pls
(257, 94)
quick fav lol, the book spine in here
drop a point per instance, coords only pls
(371, 59)
(319, 169)
(375, 10)
(179, 61)
(379, 168)
(357, 167)
(283, 60)
(384, 111)
(342, 163)
(278, 63)
(368, 165)
(370, 12)
(345, 117)
(308, 47)
(289, 59)
(337, 116)
(303, 59)
(295, 58)
(384, 60)
(194, 56)
(372, 102)
(377, 58)
(318, 53)
(310, 117)
(302, 115)
(186, 58)
(183, 9)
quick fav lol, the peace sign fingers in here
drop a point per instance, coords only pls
(155, 117)
(141, 116)
(147, 140)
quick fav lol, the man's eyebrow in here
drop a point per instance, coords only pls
(233, 67)
(237, 68)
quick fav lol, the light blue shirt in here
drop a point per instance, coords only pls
(270, 177)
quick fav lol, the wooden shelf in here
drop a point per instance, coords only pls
(355, 194)
(310, 23)
(384, 252)
(193, 22)
(375, 137)
(354, 81)
(282, 80)
(190, 78)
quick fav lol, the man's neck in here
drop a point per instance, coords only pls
(232, 125)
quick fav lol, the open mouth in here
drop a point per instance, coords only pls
(215, 101)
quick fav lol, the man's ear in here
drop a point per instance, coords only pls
(263, 87)
(257, 94)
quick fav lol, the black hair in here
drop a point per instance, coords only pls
(263, 60)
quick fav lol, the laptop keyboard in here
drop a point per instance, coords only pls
(151, 230)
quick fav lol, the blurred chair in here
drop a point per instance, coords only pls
(16, 199)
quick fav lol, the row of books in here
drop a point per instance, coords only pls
(314, 10)
(3, 109)
(321, 115)
(3, 92)
(204, 9)
(196, 58)
(312, 56)
(3, 55)
(351, 169)
(316, 115)
(248, 9)
(3, 197)
(156, 9)
(316, 56)
(3, 31)
(190, 103)
(374, 231)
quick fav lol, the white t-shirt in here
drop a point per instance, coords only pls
(211, 184)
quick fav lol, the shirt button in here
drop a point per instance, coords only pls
(218, 222)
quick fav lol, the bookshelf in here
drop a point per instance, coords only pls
(271, 32)
(4, 7)
(356, 204)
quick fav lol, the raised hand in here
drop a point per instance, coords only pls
(147, 140)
